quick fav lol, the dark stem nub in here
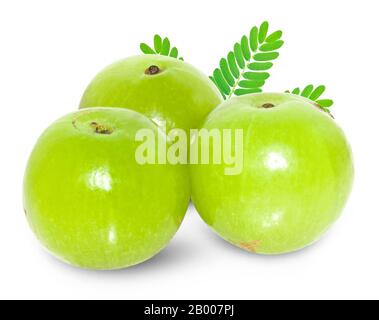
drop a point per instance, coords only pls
(152, 70)
(100, 129)
(268, 106)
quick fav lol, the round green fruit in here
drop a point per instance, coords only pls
(162, 88)
(88, 200)
(296, 178)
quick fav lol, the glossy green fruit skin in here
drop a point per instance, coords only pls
(297, 175)
(179, 94)
(90, 203)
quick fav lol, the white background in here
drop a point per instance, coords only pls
(49, 52)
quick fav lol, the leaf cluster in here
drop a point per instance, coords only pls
(314, 93)
(162, 46)
(245, 69)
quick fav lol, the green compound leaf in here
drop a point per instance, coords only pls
(162, 46)
(244, 70)
(314, 93)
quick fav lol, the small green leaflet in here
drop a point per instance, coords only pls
(245, 69)
(162, 46)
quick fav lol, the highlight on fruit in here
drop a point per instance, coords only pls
(107, 186)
